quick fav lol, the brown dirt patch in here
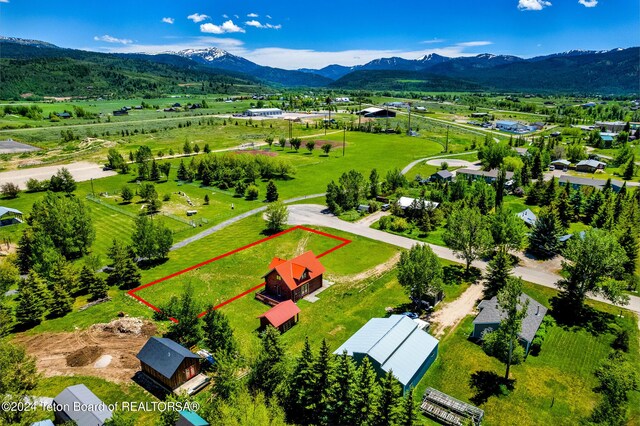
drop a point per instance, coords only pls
(333, 144)
(374, 272)
(68, 354)
(257, 152)
(84, 356)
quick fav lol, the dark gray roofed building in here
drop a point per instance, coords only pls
(489, 176)
(71, 405)
(490, 316)
(576, 182)
(168, 362)
(442, 176)
(590, 166)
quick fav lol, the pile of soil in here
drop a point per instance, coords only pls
(84, 356)
(126, 325)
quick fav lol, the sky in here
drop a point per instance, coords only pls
(292, 34)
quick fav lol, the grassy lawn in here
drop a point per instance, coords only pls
(225, 278)
(108, 392)
(555, 387)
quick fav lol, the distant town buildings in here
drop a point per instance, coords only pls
(263, 112)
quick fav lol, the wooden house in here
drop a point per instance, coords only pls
(168, 363)
(283, 316)
(292, 279)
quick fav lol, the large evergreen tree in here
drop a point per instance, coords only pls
(218, 335)
(269, 371)
(187, 330)
(323, 385)
(345, 391)
(272, 192)
(31, 302)
(61, 302)
(388, 403)
(543, 240)
(301, 385)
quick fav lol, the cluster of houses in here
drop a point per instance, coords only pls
(397, 343)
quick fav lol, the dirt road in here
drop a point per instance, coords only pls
(453, 312)
(81, 171)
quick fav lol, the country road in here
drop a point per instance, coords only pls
(313, 214)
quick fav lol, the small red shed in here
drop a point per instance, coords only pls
(283, 316)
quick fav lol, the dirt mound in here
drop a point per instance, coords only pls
(126, 325)
(84, 356)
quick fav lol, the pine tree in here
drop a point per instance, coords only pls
(628, 240)
(61, 302)
(272, 192)
(6, 319)
(87, 279)
(344, 392)
(131, 277)
(269, 370)
(218, 335)
(155, 171)
(99, 288)
(390, 393)
(409, 411)
(188, 330)
(65, 274)
(367, 391)
(549, 194)
(543, 240)
(31, 305)
(629, 169)
(183, 174)
(374, 184)
(498, 271)
(324, 375)
(302, 383)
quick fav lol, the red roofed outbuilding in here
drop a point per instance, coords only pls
(293, 279)
(283, 316)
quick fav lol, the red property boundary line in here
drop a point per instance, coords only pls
(133, 294)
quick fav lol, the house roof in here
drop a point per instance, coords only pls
(561, 162)
(521, 151)
(395, 343)
(527, 216)
(281, 313)
(582, 181)
(493, 173)
(590, 163)
(190, 418)
(291, 270)
(490, 313)
(80, 394)
(506, 123)
(5, 210)
(252, 110)
(43, 423)
(444, 174)
(164, 355)
(405, 202)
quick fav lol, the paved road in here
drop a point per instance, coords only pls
(81, 171)
(235, 219)
(421, 160)
(313, 214)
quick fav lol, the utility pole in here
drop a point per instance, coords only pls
(409, 129)
(92, 191)
(359, 111)
(344, 139)
(446, 144)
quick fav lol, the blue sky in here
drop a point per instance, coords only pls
(295, 34)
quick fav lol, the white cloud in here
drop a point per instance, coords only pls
(588, 3)
(225, 16)
(4, 1)
(474, 43)
(252, 15)
(432, 41)
(226, 27)
(107, 38)
(236, 16)
(168, 20)
(533, 4)
(257, 24)
(196, 17)
(268, 16)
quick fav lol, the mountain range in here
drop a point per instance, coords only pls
(578, 71)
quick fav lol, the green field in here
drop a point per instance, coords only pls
(229, 276)
(555, 387)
